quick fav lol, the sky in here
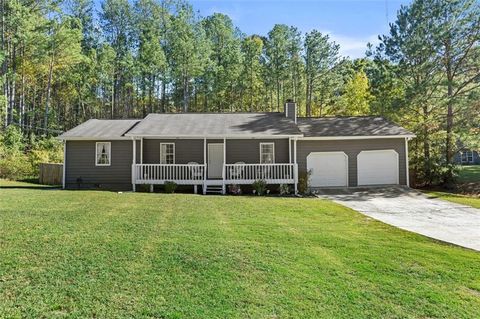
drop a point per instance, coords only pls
(350, 23)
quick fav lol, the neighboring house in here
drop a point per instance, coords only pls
(467, 157)
(213, 150)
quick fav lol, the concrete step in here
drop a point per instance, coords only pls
(209, 189)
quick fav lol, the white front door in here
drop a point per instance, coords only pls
(215, 160)
(328, 169)
(377, 167)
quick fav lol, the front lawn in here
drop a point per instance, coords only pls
(96, 254)
(469, 174)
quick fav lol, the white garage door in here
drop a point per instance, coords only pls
(377, 167)
(329, 169)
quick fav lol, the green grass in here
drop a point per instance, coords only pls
(469, 174)
(81, 254)
(473, 201)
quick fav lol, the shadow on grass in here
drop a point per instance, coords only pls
(40, 187)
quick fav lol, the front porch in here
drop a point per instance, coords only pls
(214, 163)
(197, 174)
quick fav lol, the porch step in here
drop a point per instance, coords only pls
(213, 189)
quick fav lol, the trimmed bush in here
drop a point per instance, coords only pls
(260, 187)
(284, 189)
(170, 187)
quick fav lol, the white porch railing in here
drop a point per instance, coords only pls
(194, 174)
(182, 174)
(248, 173)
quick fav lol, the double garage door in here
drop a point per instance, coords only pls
(330, 169)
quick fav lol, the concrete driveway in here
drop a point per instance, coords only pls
(414, 211)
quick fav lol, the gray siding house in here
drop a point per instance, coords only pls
(213, 150)
(467, 157)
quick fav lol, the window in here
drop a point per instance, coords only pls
(167, 153)
(267, 153)
(467, 157)
(103, 154)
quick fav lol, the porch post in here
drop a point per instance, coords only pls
(204, 188)
(406, 162)
(295, 166)
(290, 150)
(224, 162)
(141, 150)
(134, 160)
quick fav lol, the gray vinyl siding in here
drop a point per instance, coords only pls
(80, 164)
(185, 151)
(352, 148)
(191, 150)
(248, 151)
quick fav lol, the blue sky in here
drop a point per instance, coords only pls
(352, 24)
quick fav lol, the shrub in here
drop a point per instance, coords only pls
(170, 187)
(234, 189)
(304, 182)
(260, 186)
(20, 160)
(16, 165)
(284, 189)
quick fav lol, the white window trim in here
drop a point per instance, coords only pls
(173, 144)
(273, 149)
(109, 153)
(468, 157)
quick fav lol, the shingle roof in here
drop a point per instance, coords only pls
(349, 126)
(100, 129)
(234, 124)
(215, 124)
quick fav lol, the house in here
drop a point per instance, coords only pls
(213, 150)
(467, 157)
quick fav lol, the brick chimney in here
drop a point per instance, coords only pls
(291, 110)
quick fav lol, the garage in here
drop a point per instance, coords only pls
(379, 167)
(328, 169)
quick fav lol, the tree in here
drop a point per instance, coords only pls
(225, 60)
(434, 49)
(277, 59)
(117, 24)
(151, 56)
(321, 57)
(457, 31)
(356, 97)
(252, 48)
(189, 51)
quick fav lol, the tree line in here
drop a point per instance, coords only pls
(65, 61)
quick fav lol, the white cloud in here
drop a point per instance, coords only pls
(354, 47)
(234, 13)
